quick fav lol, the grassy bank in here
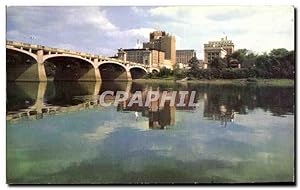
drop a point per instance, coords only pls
(261, 82)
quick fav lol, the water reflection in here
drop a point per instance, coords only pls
(223, 103)
(159, 117)
(223, 115)
(58, 133)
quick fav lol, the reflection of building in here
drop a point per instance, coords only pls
(184, 56)
(222, 114)
(223, 105)
(162, 41)
(216, 49)
(145, 56)
(159, 117)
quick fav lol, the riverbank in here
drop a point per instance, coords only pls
(260, 82)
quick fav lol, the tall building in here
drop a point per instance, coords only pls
(160, 40)
(151, 57)
(184, 56)
(215, 49)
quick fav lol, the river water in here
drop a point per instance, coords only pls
(58, 133)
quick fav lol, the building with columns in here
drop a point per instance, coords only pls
(214, 49)
(213, 52)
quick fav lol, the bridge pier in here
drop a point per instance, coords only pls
(39, 104)
(28, 69)
(96, 70)
(129, 77)
(41, 66)
(30, 74)
(92, 75)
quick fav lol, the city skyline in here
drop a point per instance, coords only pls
(102, 30)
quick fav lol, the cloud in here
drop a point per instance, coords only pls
(94, 16)
(87, 29)
(105, 29)
(136, 32)
(138, 10)
(66, 46)
(257, 28)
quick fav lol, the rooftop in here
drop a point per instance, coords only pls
(223, 41)
(139, 49)
(185, 50)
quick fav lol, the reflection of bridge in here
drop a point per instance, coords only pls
(37, 100)
(85, 97)
(27, 62)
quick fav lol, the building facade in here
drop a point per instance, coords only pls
(184, 56)
(151, 57)
(160, 40)
(214, 49)
(210, 53)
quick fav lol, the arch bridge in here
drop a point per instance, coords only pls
(28, 62)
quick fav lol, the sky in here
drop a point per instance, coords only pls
(103, 30)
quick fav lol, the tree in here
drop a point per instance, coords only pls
(165, 72)
(278, 63)
(279, 53)
(241, 56)
(282, 63)
(194, 67)
(179, 73)
(218, 63)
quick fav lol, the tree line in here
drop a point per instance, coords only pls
(278, 63)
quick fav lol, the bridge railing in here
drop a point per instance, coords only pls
(60, 50)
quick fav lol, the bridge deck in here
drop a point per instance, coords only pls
(28, 46)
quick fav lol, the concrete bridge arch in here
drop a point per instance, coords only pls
(24, 65)
(32, 55)
(29, 62)
(112, 62)
(70, 67)
(46, 57)
(153, 70)
(113, 71)
(137, 71)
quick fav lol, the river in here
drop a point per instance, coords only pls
(58, 133)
